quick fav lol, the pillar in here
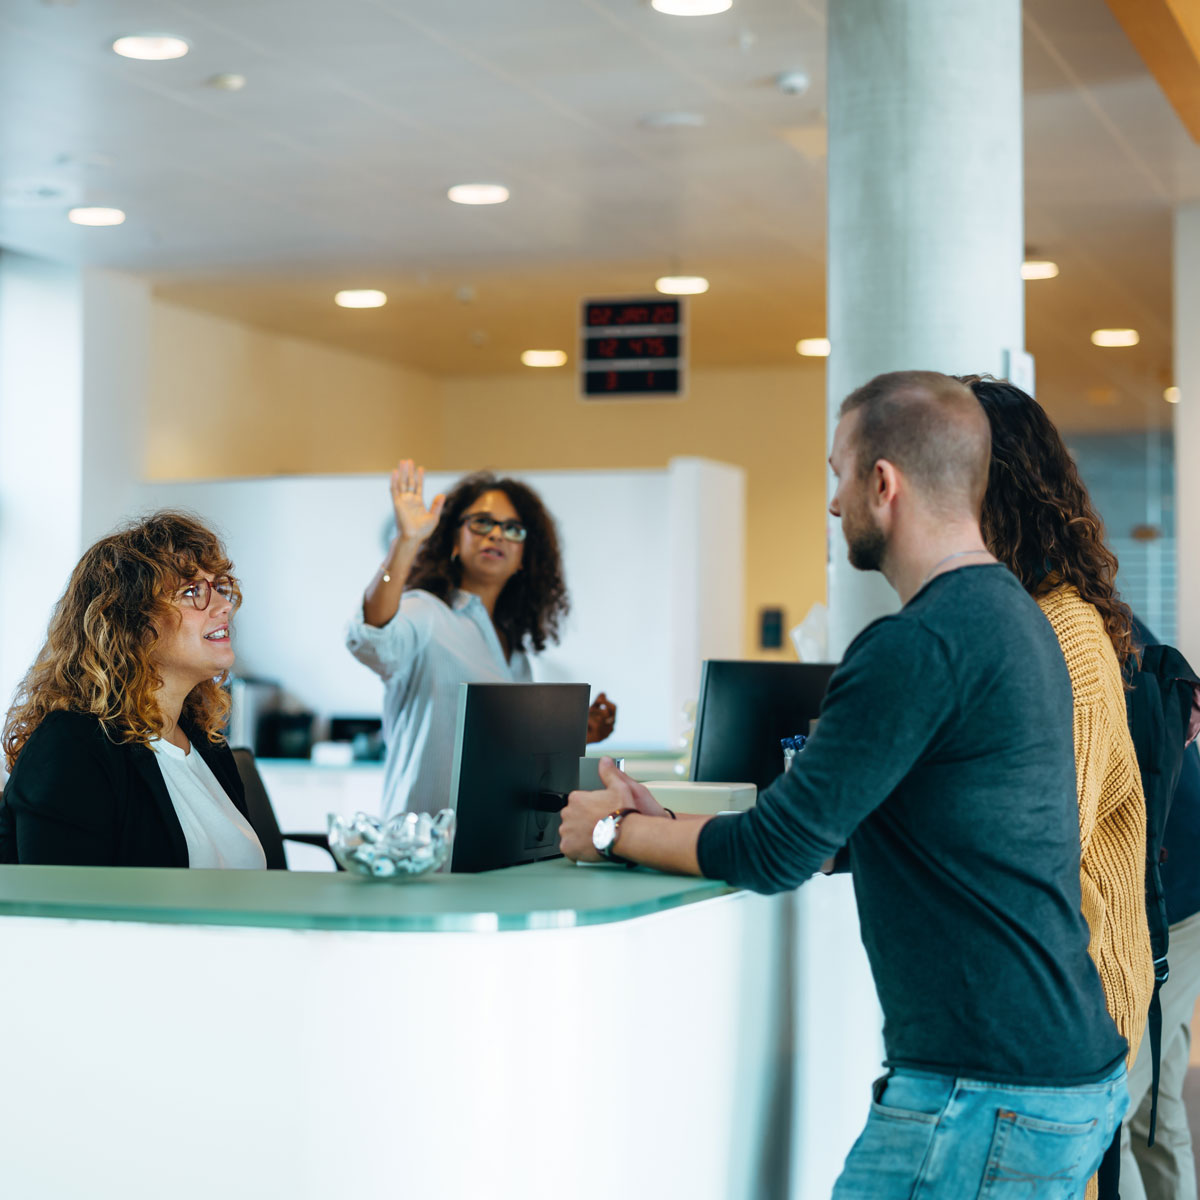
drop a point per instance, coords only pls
(1187, 428)
(925, 212)
(73, 351)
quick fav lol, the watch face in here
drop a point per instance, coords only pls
(604, 834)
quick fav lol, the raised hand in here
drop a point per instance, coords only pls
(414, 522)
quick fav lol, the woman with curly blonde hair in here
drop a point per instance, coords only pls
(114, 741)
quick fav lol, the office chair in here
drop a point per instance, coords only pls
(262, 816)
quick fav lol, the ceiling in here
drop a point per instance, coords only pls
(329, 170)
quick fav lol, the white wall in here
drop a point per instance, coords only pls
(116, 353)
(73, 348)
(41, 438)
(707, 519)
(305, 548)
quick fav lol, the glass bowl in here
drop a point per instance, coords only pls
(406, 845)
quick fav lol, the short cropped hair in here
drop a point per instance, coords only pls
(930, 427)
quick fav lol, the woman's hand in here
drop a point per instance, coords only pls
(414, 522)
(602, 716)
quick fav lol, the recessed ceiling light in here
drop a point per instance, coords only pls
(153, 47)
(226, 81)
(674, 120)
(691, 8)
(544, 358)
(1034, 268)
(361, 298)
(681, 285)
(96, 216)
(1115, 337)
(1171, 395)
(813, 347)
(478, 193)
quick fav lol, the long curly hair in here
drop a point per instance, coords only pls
(97, 654)
(534, 600)
(1037, 516)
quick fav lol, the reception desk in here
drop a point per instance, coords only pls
(544, 1031)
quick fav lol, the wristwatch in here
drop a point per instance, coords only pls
(604, 835)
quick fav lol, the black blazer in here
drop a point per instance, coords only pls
(77, 799)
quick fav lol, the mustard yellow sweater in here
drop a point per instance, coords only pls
(1112, 814)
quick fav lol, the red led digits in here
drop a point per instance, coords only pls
(632, 347)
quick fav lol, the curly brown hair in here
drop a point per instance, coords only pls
(1037, 516)
(97, 654)
(534, 600)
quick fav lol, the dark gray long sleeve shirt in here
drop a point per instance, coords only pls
(944, 756)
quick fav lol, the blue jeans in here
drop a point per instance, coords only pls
(933, 1137)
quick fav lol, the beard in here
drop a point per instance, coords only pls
(865, 542)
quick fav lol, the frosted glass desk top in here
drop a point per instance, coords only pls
(547, 895)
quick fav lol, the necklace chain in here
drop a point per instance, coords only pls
(949, 557)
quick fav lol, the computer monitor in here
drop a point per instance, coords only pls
(743, 711)
(515, 745)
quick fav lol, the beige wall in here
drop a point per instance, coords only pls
(228, 400)
(770, 422)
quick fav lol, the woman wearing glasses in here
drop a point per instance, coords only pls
(470, 585)
(114, 741)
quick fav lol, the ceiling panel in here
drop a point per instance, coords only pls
(330, 169)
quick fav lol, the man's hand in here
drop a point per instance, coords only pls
(584, 809)
(601, 717)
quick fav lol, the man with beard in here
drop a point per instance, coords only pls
(944, 760)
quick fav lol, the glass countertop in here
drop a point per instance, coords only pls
(548, 895)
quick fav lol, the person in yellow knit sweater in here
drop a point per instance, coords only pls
(1039, 521)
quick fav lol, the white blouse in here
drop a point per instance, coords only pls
(217, 834)
(422, 655)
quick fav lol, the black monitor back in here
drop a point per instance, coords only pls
(513, 741)
(743, 711)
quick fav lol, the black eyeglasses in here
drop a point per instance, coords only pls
(199, 593)
(482, 524)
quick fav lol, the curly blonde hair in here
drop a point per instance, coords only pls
(97, 655)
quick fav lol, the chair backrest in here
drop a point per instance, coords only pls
(259, 810)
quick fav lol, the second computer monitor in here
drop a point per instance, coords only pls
(743, 711)
(517, 746)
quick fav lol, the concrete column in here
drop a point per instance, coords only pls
(73, 349)
(1187, 427)
(925, 212)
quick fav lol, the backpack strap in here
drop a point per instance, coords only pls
(1164, 715)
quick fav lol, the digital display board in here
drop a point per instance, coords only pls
(632, 348)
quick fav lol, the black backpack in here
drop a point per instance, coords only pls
(1163, 707)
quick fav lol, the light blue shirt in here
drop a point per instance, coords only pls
(422, 654)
